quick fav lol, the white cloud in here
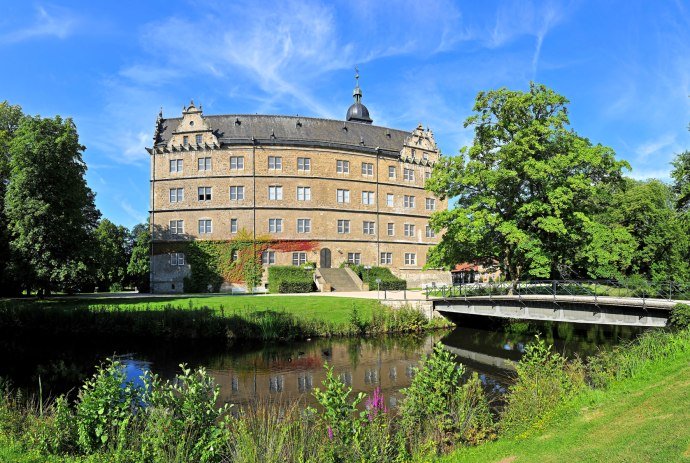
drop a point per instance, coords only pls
(56, 23)
(654, 146)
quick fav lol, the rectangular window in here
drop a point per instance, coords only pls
(299, 258)
(342, 167)
(233, 225)
(204, 193)
(176, 259)
(236, 193)
(343, 196)
(354, 258)
(176, 165)
(185, 140)
(427, 174)
(205, 226)
(275, 163)
(176, 195)
(368, 228)
(409, 229)
(391, 229)
(204, 163)
(386, 258)
(275, 193)
(408, 174)
(410, 258)
(367, 169)
(391, 172)
(236, 162)
(303, 164)
(275, 225)
(198, 138)
(408, 201)
(303, 225)
(268, 257)
(389, 199)
(343, 226)
(430, 204)
(177, 227)
(368, 198)
(303, 193)
(425, 155)
(430, 232)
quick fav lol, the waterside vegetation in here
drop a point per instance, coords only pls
(224, 318)
(443, 412)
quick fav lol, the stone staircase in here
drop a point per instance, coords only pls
(341, 279)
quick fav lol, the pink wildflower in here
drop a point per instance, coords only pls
(330, 433)
(376, 404)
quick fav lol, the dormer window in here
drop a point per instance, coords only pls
(185, 140)
(198, 139)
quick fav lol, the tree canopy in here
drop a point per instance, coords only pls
(526, 189)
(50, 210)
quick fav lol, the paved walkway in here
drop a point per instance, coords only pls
(410, 295)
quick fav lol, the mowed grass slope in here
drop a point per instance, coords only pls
(336, 310)
(642, 419)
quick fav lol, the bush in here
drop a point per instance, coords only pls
(104, 410)
(544, 380)
(290, 279)
(680, 316)
(436, 409)
(389, 282)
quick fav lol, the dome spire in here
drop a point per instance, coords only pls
(358, 112)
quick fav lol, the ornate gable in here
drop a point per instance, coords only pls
(420, 147)
(193, 132)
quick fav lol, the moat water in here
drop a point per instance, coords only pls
(290, 371)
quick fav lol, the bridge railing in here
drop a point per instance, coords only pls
(668, 290)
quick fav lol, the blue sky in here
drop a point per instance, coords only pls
(624, 65)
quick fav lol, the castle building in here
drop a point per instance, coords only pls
(353, 189)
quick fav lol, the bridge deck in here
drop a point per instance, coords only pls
(662, 304)
(603, 310)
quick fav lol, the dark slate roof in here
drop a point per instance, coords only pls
(296, 130)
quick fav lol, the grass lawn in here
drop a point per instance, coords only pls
(642, 419)
(333, 309)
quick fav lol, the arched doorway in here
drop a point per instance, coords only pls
(325, 258)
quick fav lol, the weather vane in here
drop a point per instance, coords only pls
(357, 75)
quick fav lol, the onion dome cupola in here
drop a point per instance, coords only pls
(357, 112)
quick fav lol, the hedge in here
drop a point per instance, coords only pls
(389, 282)
(290, 279)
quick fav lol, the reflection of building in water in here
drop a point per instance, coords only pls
(288, 373)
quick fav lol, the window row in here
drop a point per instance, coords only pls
(303, 165)
(275, 225)
(275, 193)
(300, 258)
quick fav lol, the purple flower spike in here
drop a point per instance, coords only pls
(330, 433)
(376, 404)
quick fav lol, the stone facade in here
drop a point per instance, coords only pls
(354, 189)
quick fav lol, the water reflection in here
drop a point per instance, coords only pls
(283, 372)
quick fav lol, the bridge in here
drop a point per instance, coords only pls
(604, 302)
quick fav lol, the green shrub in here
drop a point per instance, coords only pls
(436, 409)
(544, 380)
(389, 282)
(680, 316)
(290, 279)
(104, 409)
(186, 409)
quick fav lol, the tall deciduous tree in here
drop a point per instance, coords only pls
(50, 209)
(10, 116)
(525, 189)
(681, 180)
(140, 260)
(112, 256)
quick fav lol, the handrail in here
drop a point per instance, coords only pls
(665, 290)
